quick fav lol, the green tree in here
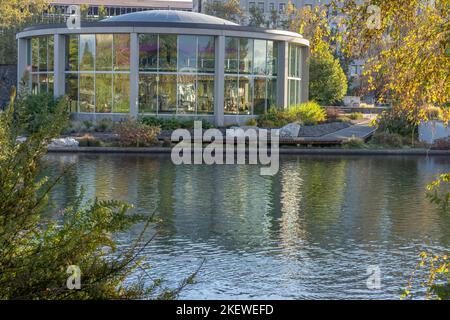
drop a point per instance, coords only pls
(36, 251)
(229, 10)
(257, 18)
(327, 80)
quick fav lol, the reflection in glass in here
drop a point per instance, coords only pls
(43, 85)
(121, 52)
(50, 81)
(148, 52)
(148, 93)
(271, 93)
(245, 95)
(231, 95)
(35, 54)
(42, 54)
(87, 49)
(259, 101)
(50, 54)
(121, 93)
(294, 92)
(103, 52)
(187, 53)
(245, 55)
(87, 97)
(167, 90)
(103, 92)
(72, 91)
(231, 55)
(34, 84)
(72, 53)
(272, 58)
(168, 52)
(206, 54)
(259, 67)
(205, 96)
(186, 93)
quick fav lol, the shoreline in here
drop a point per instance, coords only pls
(282, 151)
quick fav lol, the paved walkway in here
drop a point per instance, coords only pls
(362, 130)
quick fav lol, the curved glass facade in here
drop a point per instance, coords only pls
(176, 74)
(98, 73)
(251, 67)
(220, 74)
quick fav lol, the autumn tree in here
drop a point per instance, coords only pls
(229, 10)
(409, 49)
(408, 43)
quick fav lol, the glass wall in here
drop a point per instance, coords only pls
(40, 57)
(295, 75)
(97, 72)
(251, 67)
(176, 74)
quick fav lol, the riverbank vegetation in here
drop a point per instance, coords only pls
(41, 255)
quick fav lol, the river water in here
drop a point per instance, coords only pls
(310, 232)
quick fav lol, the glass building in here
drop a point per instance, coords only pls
(166, 63)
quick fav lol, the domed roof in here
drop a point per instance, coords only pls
(172, 16)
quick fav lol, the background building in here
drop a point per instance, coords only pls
(167, 63)
(118, 7)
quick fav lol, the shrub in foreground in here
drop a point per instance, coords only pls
(137, 134)
(310, 113)
(353, 143)
(387, 140)
(35, 252)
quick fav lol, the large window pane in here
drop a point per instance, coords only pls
(245, 55)
(206, 54)
(272, 58)
(245, 95)
(259, 67)
(50, 83)
(72, 91)
(34, 84)
(72, 53)
(271, 93)
(35, 54)
(87, 97)
(205, 96)
(42, 53)
(231, 55)
(121, 93)
(168, 52)
(50, 54)
(259, 102)
(87, 52)
(292, 92)
(148, 93)
(186, 94)
(231, 95)
(167, 93)
(103, 93)
(103, 52)
(148, 52)
(187, 53)
(43, 86)
(122, 52)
